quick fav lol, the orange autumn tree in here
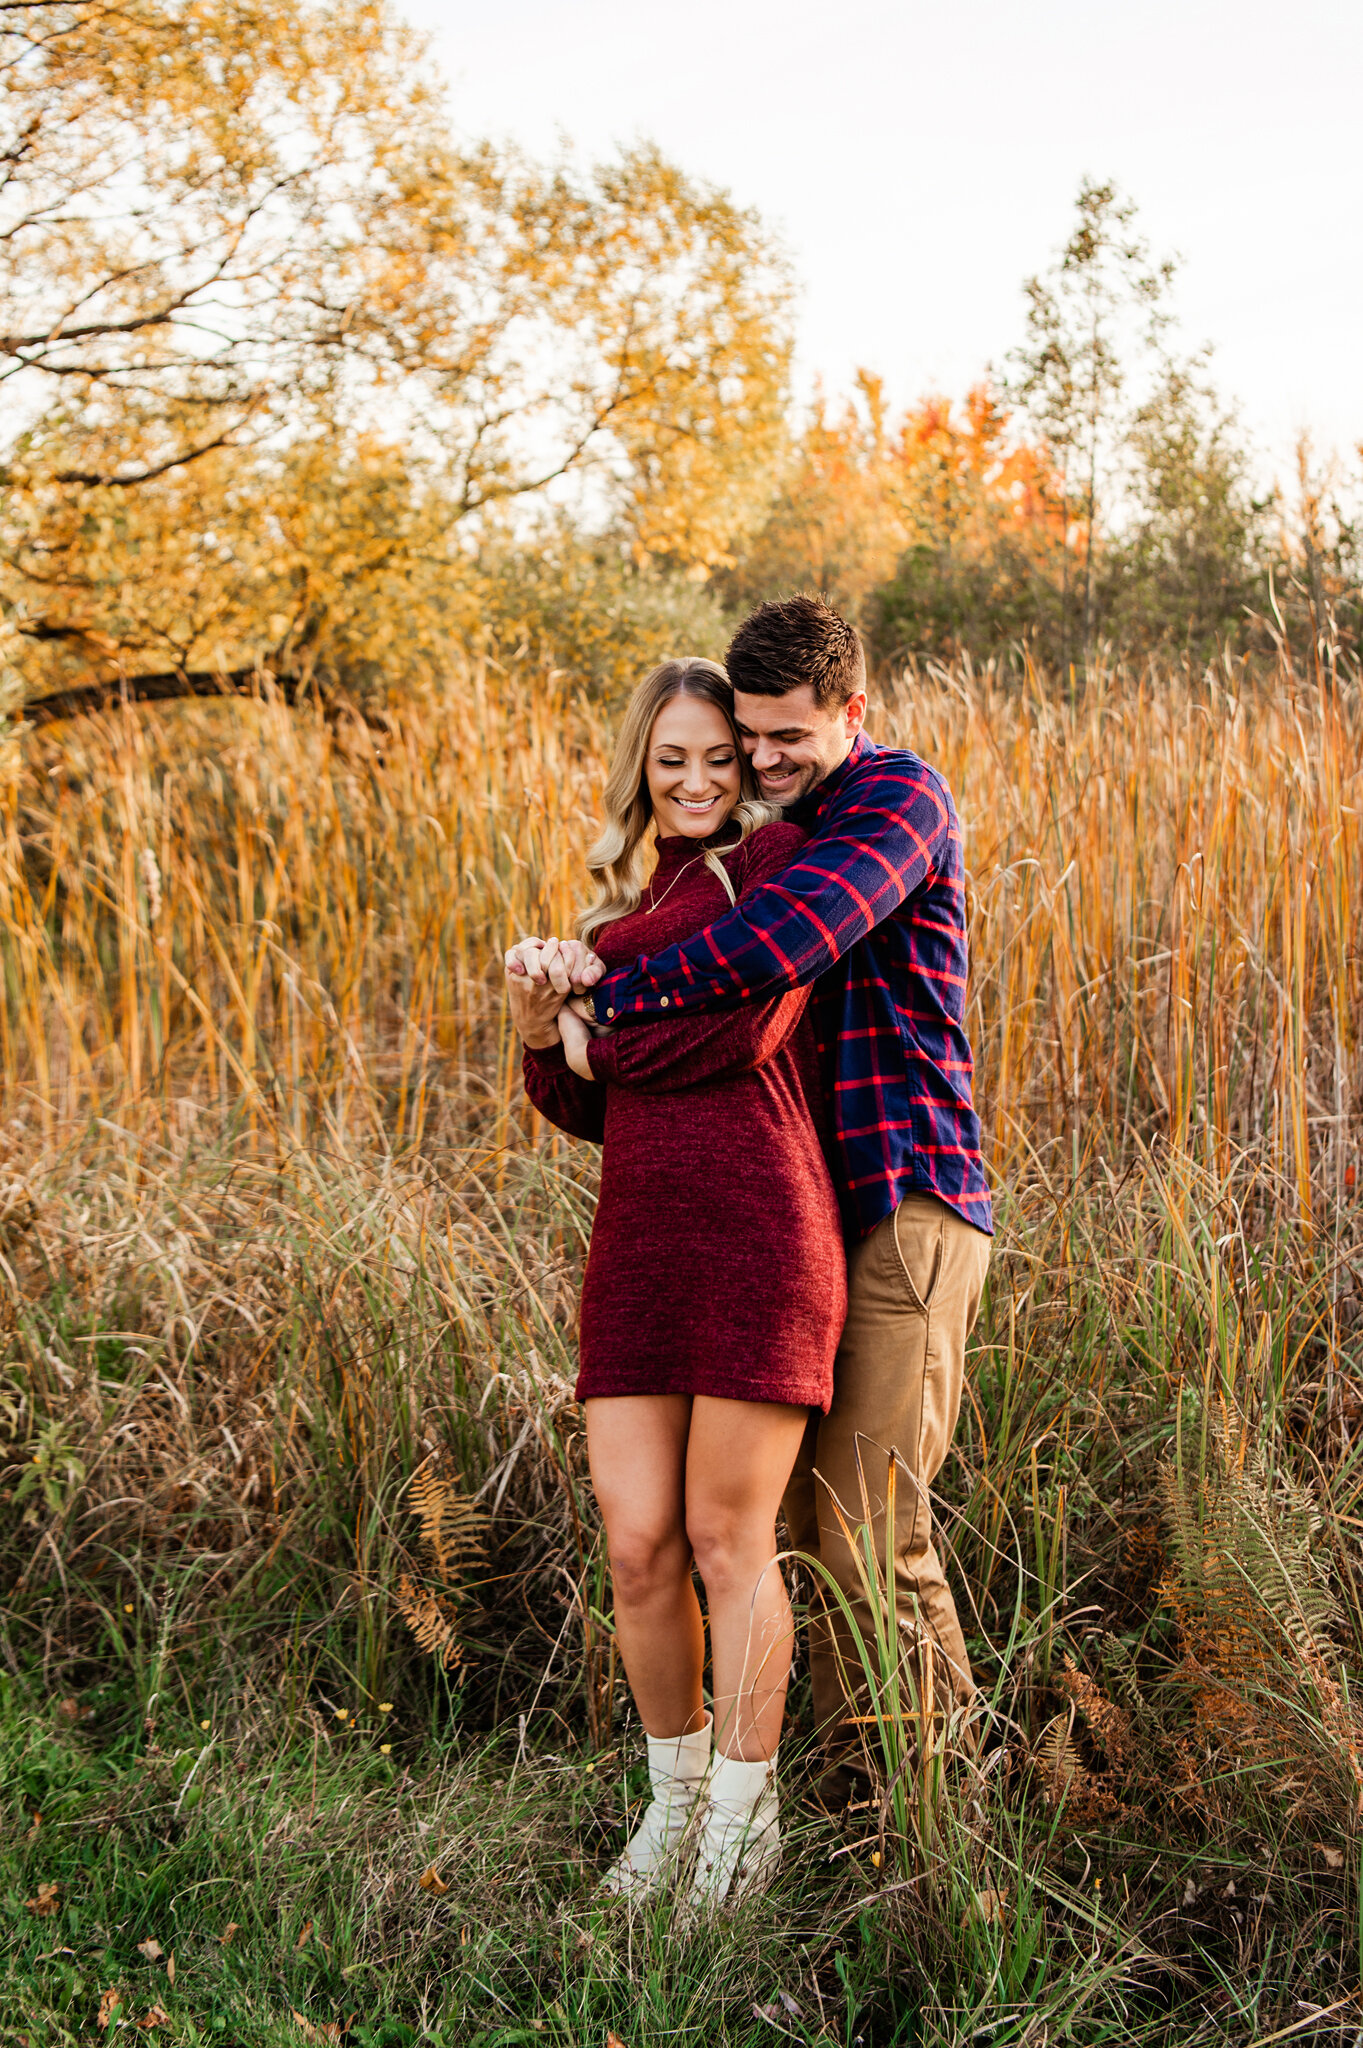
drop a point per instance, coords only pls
(927, 529)
(837, 520)
(984, 564)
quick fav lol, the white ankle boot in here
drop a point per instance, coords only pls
(677, 1765)
(740, 1837)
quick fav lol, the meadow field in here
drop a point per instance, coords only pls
(311, 1726)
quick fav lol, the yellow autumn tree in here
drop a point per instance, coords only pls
(273, 343)
(839, 520)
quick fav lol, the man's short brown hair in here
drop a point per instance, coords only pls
(796, 640)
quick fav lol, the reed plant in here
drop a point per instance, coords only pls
(288, 1272)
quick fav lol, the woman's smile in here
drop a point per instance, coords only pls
(693, 770)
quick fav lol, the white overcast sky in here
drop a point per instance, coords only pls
(921, 158)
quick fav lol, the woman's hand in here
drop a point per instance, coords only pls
(581, 1006)
(567, 965)
(576, 1038)
(534, 1010)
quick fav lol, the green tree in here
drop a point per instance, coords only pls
(1184, 570)
(1095, 322)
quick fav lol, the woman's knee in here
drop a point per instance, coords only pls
(727, 1545)
(646, 1562)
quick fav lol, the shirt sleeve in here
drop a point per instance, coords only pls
(658, 1058)
(576, 1106)
(879, 842)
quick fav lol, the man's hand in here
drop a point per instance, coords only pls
(576, 1038)
(566, 965)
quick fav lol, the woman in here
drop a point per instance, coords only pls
(715, 1287)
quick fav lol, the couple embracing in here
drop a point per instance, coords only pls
(764, 1029)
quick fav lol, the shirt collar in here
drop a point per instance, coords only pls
(812, 807)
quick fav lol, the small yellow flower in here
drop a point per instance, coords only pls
(127, 1607)
(875, 1859)
(205, 1724)
(385, 1706)
(385, 1749)
(341, 1713)
(590, 1768)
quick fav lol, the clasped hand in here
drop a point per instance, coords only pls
(547, 980)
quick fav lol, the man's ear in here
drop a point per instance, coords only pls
(854, 711)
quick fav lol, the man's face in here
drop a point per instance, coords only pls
(791, 743)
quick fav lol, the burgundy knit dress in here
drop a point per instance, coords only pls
(716, 1263)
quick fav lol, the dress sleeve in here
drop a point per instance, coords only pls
(576, 1106)
(659, 1058)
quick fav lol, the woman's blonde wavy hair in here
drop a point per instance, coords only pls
(616, 861)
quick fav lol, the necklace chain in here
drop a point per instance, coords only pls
(654, 901)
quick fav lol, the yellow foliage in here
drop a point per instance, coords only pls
(274, 342)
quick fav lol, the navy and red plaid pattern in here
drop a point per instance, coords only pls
(874, 909)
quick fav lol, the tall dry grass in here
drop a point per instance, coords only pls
(280, 1233)
(245, 904)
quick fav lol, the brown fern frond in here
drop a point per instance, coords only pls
(451, 1525)
(1065, 1778)
(431, 1619)
(1109, 1725)
(1055, 1755)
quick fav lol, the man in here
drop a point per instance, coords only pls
(873, 911)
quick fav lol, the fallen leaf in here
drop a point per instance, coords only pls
(1334, 1858)
(48, 1901)
(303, 1937)
(989, 1905)
(156, 2016)
(110, 2005)
(69, 1709)
(796, 2011)
(317, 2030)
(432, 1881)
(170, 1967)
(1189, 1895)
(151, 1949)
(37, 1823)
(614, 2041)
(232, 1927)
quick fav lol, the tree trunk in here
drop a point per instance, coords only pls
(160, 689)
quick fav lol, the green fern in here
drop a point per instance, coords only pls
(1241, 1542)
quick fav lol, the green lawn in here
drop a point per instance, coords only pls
(251, 1882)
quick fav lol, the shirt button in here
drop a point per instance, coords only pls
(664, 1002)
(610, 1013)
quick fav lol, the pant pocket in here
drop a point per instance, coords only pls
(918, 1229)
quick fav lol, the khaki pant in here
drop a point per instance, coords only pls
(913, 1290)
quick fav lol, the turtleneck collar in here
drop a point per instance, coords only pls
(677, 850)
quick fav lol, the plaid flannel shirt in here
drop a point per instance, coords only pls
(873, 909)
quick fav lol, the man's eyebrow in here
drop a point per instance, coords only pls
(782, 732)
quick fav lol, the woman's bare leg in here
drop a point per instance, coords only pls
(636, 1444)
(739, 1455)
